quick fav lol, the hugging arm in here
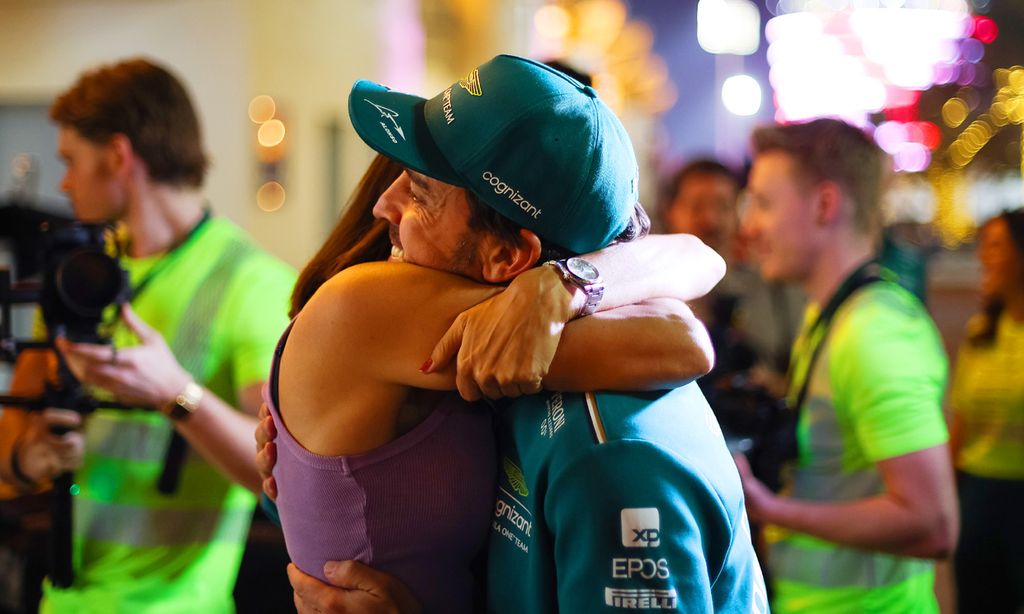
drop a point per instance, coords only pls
(655, 345)
(678, 266)
(643, 336)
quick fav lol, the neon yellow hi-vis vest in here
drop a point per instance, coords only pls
(875, 393)
(220, 304)
(988, 399)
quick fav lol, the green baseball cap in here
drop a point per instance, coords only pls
(533, 143)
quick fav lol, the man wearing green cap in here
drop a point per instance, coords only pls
(605, 500)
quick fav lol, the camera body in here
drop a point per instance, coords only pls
(81, 276)
(81, 280)
(756, 424)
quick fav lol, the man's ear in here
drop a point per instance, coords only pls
(828, 203)
(120, 155)
(502, 262)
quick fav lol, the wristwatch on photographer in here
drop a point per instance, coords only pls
(581, 274)
(185, 403)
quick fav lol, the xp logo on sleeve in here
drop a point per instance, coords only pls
(641, 527)
(472, 83)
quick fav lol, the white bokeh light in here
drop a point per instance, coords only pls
(728, 26)
(853, 59)
(741, 95)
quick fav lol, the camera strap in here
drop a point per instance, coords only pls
(169, 257)
(866, 274)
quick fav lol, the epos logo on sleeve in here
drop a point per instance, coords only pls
(641, 527)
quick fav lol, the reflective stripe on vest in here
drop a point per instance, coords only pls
(145, 527)
(128, 437)
(824, 474)
(114, 506)
(838, 567)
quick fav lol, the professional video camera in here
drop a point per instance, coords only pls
(81, 283)
(754, 422)
(81, 277)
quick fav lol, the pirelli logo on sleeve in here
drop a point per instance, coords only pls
(641, 598)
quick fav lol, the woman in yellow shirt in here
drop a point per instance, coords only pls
(987, 435)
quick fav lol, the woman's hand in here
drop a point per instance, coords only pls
(505, 344)
(266, 451)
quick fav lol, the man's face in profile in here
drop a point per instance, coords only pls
(429, 224)
(779, 219)
(89, 179)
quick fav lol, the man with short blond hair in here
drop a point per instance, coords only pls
(871, 495)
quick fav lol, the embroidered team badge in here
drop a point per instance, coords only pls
(516, 479)
(472, 83)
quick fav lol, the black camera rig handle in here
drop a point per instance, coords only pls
(67, 393)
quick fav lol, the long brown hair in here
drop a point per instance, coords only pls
(358, 237)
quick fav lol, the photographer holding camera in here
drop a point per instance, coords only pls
(194, 345)
(871, 494)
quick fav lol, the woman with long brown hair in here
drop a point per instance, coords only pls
(320, 444)
(987, 434)
(358, 236)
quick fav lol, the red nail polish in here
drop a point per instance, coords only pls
(426, 365)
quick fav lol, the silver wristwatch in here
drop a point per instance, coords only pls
(584, 275)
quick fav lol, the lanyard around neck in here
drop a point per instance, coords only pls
(867, 273)
(168, 258)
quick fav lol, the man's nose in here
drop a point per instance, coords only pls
(748, 227)
(388, 207)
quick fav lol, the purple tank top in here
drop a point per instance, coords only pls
(417, 508)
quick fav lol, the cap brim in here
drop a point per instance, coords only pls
(393, 124)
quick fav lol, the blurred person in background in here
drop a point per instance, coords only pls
(987, 432)
(871, 495)
(751, 321)
(191, 351)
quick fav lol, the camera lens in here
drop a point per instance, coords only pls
(87, 281)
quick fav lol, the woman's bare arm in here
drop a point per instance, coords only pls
(506, 345)
(359, 344)
(656, 345)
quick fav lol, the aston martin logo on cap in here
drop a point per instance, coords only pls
(392, 116)
(471, 83)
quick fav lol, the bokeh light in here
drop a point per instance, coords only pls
(985, 29)
(728, 26)
(552, 21)
(851, 59)
(262, 109)
(972, 50)
(741, 95)
(954, 112)
(271, 133)
(270, 196)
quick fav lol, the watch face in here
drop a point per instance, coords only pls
(582, 269)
